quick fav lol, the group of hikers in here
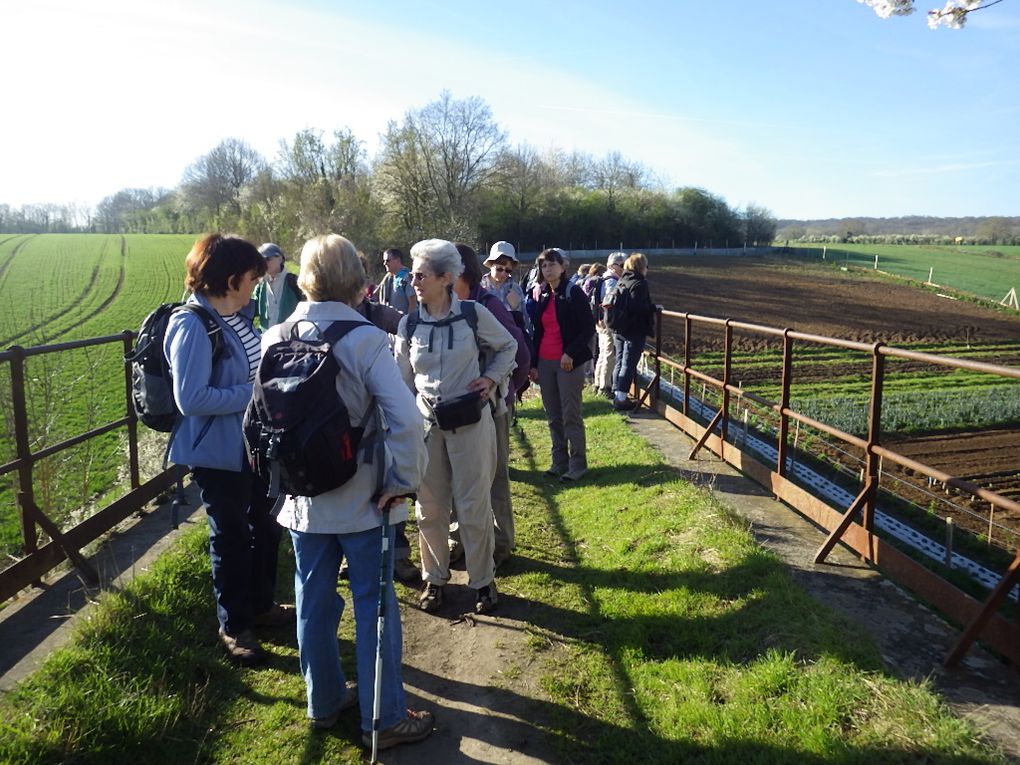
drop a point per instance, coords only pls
(429, 366)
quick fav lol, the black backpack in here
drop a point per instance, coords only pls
(595, 297)
(297, 429)
(617, 316)
(152, 391)
(467, 312)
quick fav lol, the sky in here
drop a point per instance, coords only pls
(809, 108)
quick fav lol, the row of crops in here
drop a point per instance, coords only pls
(58, 288)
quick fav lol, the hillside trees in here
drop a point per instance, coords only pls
(446, 169)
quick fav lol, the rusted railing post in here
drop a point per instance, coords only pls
(657, 388)
(871, 474)
(727, 363)
(687, 365)
(132, 425)
(23, 449)
(784, 403)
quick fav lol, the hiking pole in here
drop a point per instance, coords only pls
(384, 584)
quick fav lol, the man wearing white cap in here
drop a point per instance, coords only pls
(607, 348)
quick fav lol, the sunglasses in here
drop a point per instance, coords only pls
(419, 276)
(502, 269)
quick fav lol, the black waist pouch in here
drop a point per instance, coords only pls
(459, 412)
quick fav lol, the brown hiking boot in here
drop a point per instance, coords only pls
(243, 648)
(279, 615)
(350, 700)
(415, 727)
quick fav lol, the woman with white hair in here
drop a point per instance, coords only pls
(345, 522)
(438, 349)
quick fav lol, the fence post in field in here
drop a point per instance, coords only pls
(132, 424)
(876, 262)
(949, 542)
(23, 450)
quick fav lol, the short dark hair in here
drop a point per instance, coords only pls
(546, 255)
(216, 264)
(393, 252)
(472, 272)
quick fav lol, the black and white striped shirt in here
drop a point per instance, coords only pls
(249, 339)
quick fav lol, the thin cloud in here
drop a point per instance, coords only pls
(956, 167)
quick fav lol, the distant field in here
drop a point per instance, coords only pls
(988, 272)
(57, 288)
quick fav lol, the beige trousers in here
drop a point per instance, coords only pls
(607, 359)
(461, 467)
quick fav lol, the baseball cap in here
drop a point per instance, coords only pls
(502, 249)
(616, 259)
(270, 250)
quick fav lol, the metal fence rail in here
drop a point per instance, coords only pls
(854, 526)
(36, 560)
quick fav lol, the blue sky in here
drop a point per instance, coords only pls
(810, 108)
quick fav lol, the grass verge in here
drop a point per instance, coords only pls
(676, 639)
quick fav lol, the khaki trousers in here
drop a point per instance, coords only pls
(607, 359)
(461, 467)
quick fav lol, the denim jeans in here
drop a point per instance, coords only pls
(319, 606)
(244, 540)
(628, 353)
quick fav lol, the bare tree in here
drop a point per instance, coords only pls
(433, 164)
(214, 182)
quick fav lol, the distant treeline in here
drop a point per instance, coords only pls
(914, 229)
(446, 169)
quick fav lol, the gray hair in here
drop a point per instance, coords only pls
(441, 257)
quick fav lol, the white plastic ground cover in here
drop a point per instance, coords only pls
(840, 497)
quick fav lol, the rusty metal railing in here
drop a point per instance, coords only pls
(36, 560)
(981, 619)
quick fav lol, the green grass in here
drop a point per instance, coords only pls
(664, 633)
(986, 271)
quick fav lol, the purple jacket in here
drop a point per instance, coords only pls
(523, 358)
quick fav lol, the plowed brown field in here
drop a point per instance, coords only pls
(853, 305)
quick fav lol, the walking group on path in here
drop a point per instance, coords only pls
(423, 373)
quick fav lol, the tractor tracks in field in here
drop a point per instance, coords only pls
(89, 289)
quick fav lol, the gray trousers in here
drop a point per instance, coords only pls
(502, 506)
(561, 397)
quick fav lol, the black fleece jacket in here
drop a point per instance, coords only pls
(577, 325)
(640, 307)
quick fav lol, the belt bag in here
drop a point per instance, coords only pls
(459, 412)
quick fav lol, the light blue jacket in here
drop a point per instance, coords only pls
(211, 398)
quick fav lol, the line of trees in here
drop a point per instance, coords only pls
(917, 229)
(446, 169)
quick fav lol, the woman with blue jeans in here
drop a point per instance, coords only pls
(346, 521)
(211, 392)
(629, 340)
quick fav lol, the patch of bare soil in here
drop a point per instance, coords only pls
(821, 300)
(480, 675)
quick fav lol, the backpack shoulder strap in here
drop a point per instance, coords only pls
(338, 329)
(413, 319)
(212, 327)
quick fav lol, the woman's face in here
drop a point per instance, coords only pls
(500, 270)
(245, 286)
(428, 287)
(552, 271)
(274, 265)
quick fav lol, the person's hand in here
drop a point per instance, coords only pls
(514, 300)
(533, 374)
(481, 385)
(566, 363)
(387, 498)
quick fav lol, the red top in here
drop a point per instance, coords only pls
(551, 348)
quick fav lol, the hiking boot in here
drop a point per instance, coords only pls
(487, 599)
(405, 571)
(417, 726)
(555, 472)
(627, 405)
(243, 648)
(279, 615)
(573, 476)
(500, 556)
(431, 598)
(350, 700)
